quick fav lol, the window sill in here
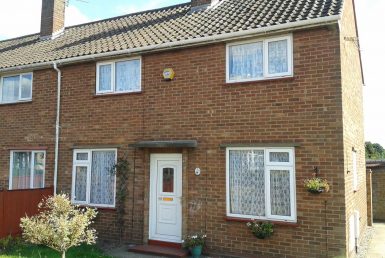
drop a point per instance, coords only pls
(15, 103)
(278, 79)
(98, 95)
(278, 223)
(110, 209)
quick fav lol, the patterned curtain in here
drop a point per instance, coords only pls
(10, 89)
(102, 180)
(127, 75)
(38, 170)
(278, 57)
(247, 182)
(26, 89)
(280, 192)
(21, 173)
(81, 184)
(105, 77)
(246, 61)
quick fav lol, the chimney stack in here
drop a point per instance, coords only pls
(52, 18)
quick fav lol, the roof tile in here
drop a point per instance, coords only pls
(159, 26)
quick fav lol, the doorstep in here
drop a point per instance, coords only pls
(159, 251)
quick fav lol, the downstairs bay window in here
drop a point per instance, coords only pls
(261, 183)
(93, 178)
(27, 170)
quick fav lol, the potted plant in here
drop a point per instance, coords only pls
(195, 244)
(260, 229)
(316, 185)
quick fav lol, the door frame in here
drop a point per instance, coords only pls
(153, 193)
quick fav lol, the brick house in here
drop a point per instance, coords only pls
(264, 94)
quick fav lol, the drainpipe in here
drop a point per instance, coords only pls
(57, 127)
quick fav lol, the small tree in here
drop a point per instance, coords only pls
(60, 225)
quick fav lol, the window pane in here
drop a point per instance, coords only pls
(38, 170)
(105, 77)
(247, 182)
(10, 89)
(127, 75)
(26, 86)
(82, 156)
(279, 157)
(80, 184)
(278, 57)
(102, 178)
(246, 61)
(21, 172)
(168, 180)
(280, 192)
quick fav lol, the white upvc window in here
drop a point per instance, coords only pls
(260, 183)
(259, 59)
(16, 88)
(119, 76)
(93, 178)
(27, 169)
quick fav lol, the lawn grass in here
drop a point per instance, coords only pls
(35, 251)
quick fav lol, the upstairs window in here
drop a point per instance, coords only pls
(120, 76)
(259, 59)
(16, 88)
(27, 170)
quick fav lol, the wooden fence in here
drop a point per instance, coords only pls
(15, 204)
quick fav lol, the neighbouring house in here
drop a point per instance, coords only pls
(222, 108)
(377, 168)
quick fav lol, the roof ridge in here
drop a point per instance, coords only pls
(106, 19)
(130, 14)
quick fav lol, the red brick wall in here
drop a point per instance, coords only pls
(30, 125)
(198, 104)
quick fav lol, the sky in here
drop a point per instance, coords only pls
(24, 16)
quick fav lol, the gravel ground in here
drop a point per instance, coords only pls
(363, 249)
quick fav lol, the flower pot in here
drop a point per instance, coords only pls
(196, 251)
(317, 191)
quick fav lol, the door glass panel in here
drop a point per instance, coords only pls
(168, 180)
(80, 184)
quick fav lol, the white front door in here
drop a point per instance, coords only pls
(166, 197)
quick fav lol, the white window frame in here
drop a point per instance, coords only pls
(33, 152)
(354, 170)
(88, 163)
(112, 90)
(265, 42)
(268, 167)
(20, 99)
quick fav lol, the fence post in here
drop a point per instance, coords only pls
(2, 213)
(369, 196)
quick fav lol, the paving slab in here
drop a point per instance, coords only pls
(377, 244)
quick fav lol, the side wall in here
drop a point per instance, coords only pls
(352, 84)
